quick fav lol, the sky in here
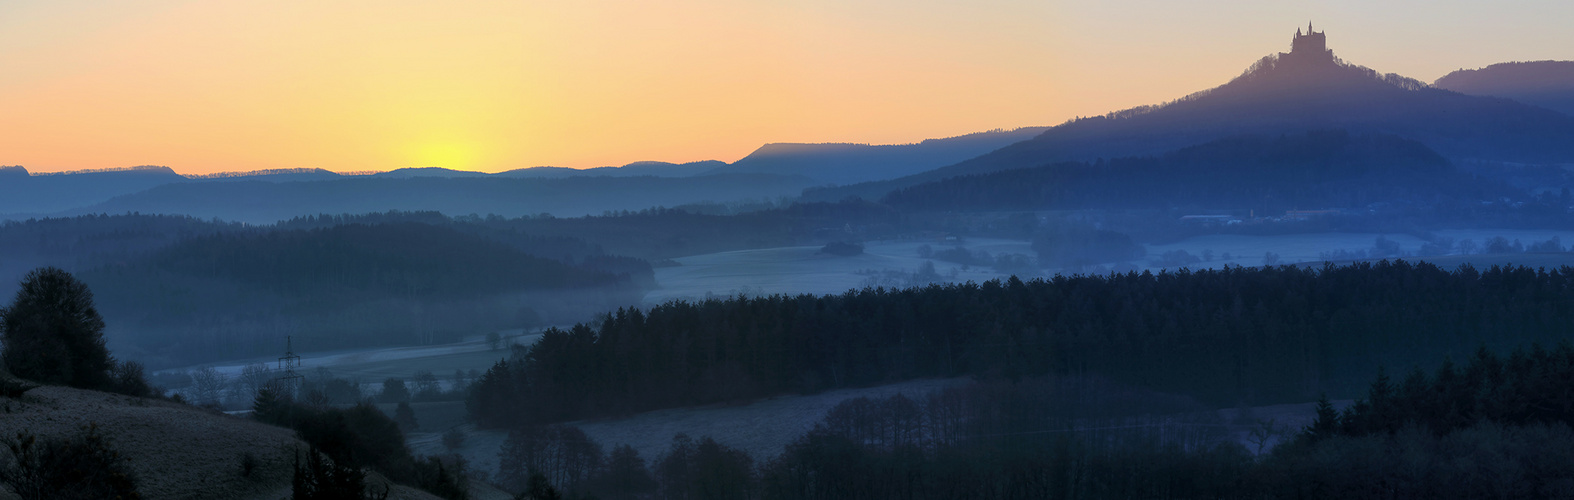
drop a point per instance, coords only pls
(354, 85)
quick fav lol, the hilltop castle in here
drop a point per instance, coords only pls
(1310, 44)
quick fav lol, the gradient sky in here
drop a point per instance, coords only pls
(220, 85)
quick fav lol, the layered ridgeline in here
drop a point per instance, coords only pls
(268, 202)
(774, 171)
(1549, 84)
(25, 193)
(1287, 93)
(1325, 169)
(177, 290)
(853, 163)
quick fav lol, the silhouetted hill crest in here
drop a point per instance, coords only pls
(1285, 93)
(1549, 84)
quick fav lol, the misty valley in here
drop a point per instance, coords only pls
(1315, 280)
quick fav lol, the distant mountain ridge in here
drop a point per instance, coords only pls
(1549, 84)
(24, 194)
(268, 202)
(846, 163)
(1286, 93)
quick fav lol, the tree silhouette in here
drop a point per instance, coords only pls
(53, 334)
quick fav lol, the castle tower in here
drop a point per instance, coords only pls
(1310, 44)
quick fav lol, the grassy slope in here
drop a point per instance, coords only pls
(176, 451)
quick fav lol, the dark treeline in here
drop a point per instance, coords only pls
(410, 259)
(1036, 438)
(1256, 335)
(80, 243)
(655, 233)
(1330, 169)
(665, 233)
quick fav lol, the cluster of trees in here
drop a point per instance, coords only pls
(355, 438)
(185, 290)
(1526, 387)
(1257, 335)
(83, 465)
(1036, 438)
(1497, 427)
(52, 334)
(561, 461)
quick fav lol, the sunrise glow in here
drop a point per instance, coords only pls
(497, 85)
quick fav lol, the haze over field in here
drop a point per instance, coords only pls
(829, 250)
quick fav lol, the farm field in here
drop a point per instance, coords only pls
(372, 366)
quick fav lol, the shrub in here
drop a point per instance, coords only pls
(82, 466)
(394, 391)
(318, 479)
(13, 388)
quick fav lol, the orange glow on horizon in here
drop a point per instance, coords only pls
(356, 85)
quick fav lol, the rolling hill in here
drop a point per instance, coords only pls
(1315, 170)
(1549, 84)
(1286, 93)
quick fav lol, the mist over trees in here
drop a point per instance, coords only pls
(184, 291)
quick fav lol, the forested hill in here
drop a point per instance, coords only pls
(1327, 169)
(1285, 94)
(177, 290)
(410, 260)
(1238, 335)
(1549, 84)
(80, 243)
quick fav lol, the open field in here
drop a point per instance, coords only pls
(372, 366)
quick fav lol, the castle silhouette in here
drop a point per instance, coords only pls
(1312, 44)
